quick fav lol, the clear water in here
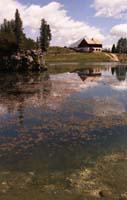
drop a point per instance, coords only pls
(63, 133)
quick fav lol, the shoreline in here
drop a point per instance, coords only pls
(84, 63)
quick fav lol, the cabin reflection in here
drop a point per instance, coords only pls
(119, 71)
(89, 72)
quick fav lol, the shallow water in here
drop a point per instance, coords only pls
(63, 133)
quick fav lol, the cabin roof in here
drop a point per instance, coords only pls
(76, 44)
(88, 41)
(92, 41)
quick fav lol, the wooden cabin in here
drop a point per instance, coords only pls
(87, 45)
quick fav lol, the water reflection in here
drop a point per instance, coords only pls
(120, 72)
(20, 90)
(58, 124)
(88, 72)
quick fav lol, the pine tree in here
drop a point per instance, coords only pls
(18, 30)
(122, 45)
(7, 37)
(45, 35)
(113, 48)
(37, 43)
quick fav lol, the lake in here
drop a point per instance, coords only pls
(63, 133)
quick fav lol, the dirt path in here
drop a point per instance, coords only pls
(113, 57)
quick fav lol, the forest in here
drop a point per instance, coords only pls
(13, 39)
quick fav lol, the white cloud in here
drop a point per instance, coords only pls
(120, 86)
(109, 41)
(119, 30)
(7, 8)
(65, 30)
(116, 32)
(110, 8)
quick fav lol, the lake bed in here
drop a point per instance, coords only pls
(63, 133)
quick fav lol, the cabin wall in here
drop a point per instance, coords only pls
(88, 49)
(96, 49)
(83, 49)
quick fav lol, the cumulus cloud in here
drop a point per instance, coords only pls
(119, 30)
(116, 32)
(65, 30)
(110, 8)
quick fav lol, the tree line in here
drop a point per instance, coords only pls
(120, 47)
(13, 38)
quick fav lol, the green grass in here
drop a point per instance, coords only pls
(59, 50)
(122, 57)
(59, 54)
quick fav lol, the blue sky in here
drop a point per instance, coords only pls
(71, 20)
(79, 10)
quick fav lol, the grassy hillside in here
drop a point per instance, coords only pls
(59, 54)
(122, 57)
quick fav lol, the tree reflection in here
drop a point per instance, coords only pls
(19, 90)
(120, 71)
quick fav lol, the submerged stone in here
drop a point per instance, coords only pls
(123, 196)
(105, 193)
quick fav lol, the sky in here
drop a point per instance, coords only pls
(71, 20)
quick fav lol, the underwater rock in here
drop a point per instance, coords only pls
(49, 188)
(4, 183)
(94, 193)
(123, 196)
(105, 193)
(31, 173)
(114, 157)
(4, 187)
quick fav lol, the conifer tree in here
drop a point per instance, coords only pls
(18, 30)
(113, 48)
(122, 45)
(37, 43)
(45, 35)
(12, 37)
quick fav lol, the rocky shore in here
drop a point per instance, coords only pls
(30, 60)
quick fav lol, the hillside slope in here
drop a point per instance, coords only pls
(59, 54)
